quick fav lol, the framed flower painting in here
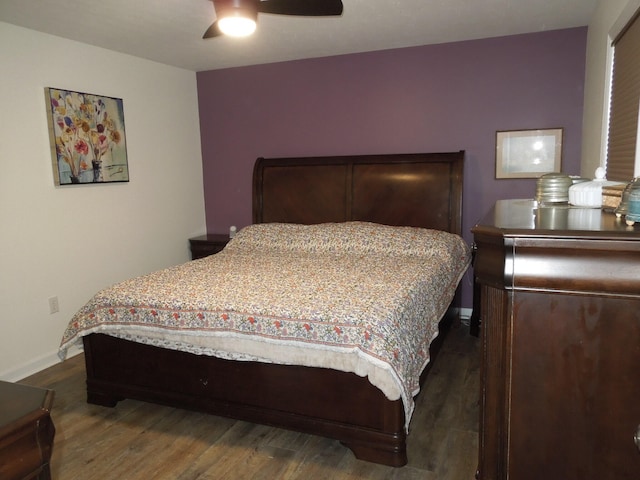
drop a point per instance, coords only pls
(88, 141)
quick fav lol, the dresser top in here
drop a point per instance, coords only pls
(523, 246)
(525, 217)
(21, 401)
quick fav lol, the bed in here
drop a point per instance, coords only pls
(259, 357)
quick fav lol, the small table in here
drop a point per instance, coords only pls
(26, 432)
(208, 244)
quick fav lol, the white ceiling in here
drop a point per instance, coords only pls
(170, 31)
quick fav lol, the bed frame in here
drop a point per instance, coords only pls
(423, 190)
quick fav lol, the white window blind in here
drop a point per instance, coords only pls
(625, 103)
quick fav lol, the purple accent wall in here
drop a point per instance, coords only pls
(445, 97)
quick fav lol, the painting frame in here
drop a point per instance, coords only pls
(528, 153)
(87, 137)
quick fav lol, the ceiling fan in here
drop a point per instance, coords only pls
(238, 17)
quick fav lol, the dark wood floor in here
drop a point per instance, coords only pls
(137, 440)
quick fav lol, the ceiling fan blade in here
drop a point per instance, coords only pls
(212, 31)
(306, 8)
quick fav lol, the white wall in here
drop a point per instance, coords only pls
(71, 241)
(608, 19)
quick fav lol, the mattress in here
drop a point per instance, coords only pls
(354, 296)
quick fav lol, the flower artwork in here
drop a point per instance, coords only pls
(87, 138)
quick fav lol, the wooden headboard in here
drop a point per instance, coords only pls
(418, 190)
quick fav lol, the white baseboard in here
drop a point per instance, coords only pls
(37, 365)
(465, 315)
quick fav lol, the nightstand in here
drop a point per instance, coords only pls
(26, 431)
(208, 244)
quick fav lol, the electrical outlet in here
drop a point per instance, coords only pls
(54, 307)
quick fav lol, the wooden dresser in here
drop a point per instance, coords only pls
(560, 326)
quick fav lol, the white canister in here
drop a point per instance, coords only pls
(589, 194)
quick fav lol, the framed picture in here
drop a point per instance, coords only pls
(88, 141)
(528, 153)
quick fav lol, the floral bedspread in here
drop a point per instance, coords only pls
(355, 296)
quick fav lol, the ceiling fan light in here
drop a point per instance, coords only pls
(237, 22)
(237, 26)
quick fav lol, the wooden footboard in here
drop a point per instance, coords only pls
(312, 400)
(318, 401)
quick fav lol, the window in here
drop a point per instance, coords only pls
(622, 146)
